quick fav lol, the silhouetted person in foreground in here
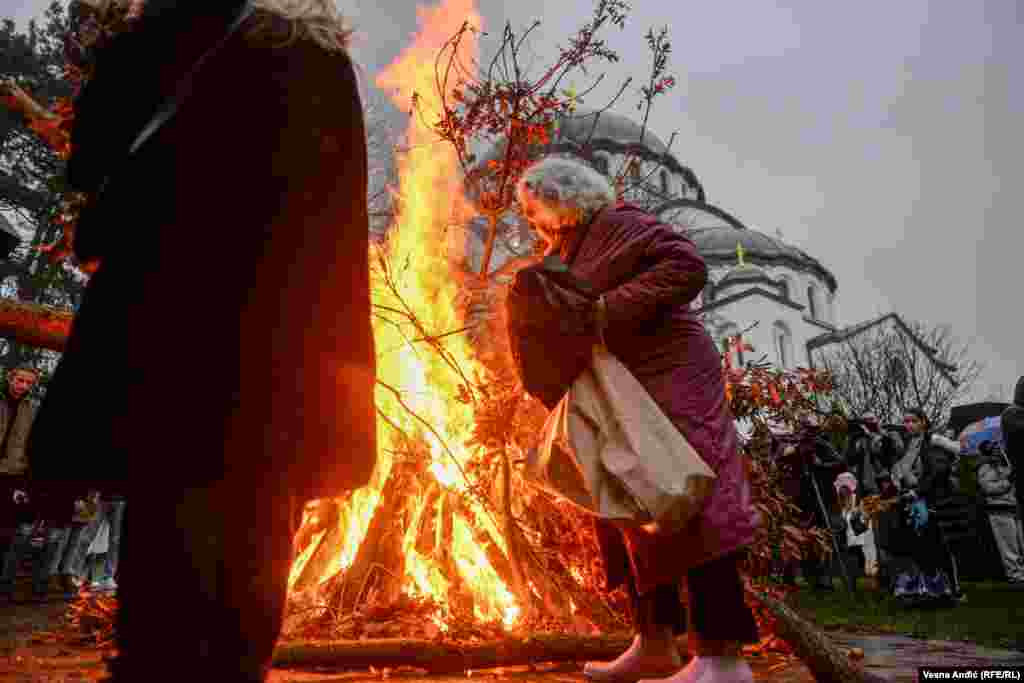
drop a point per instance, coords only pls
(222, 361)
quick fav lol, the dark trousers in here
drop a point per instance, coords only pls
(203, 575)
(816, 571)
(933, 554)
(716, 616)
(855, 563)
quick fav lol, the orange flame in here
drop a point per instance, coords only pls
(422, 259)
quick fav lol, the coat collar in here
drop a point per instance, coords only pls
(571, 245)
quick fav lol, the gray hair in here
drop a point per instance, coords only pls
(566, 186)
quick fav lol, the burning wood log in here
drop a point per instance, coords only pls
(514, 538)
(587, 602)
(426, 536)
(827, 662)
(499, 561)
(39, 326)
(376, 549)
(450, 657)
(328, 545)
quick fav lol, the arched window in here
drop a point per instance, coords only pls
(634, 180)
(664, 182)
(634, 170)
(601, 163)
(812, 301)
(709, 293)
(783, 340)
(785, 287)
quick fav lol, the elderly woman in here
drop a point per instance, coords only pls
(234, 225)
(647, 275)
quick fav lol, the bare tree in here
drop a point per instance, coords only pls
(892, 367)
(998, 393)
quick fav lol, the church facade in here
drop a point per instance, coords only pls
(780, 298)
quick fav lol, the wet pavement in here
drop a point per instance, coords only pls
(895, 658)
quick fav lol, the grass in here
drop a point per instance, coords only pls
(992, 615)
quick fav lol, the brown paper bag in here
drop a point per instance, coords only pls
(608, 448)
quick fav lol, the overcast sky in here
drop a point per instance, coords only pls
(881, 137)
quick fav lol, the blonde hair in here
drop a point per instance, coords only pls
(104, 9)
(566, 187)
(316, 20)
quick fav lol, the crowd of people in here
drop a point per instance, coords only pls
(71, 542)
(897, 507)
(284, 411)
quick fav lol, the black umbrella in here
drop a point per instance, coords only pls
(961, 416)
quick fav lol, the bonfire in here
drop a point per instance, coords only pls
(448, 560)
(424, 550)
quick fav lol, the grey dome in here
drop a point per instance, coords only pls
(586, 132)
(718, 246)
(586, 124)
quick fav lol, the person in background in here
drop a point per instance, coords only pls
(68, 566)
(114, 510)
(924, 477)
(869, 455)
(85, 558)
(856, 541)
(885, 528)
(863, 454)
(214, 455)
(818, 464)
(17, 412)
(1001, 506)
(27, 508)
(1013, 439)
(646, 276)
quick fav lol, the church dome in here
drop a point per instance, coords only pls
(717, 245)
(606, 126)
(586, 133)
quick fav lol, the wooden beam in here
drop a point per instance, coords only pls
(39, 326)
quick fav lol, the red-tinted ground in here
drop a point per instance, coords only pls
(29, 652)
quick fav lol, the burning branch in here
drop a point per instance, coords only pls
(447, 449)
(503, 103)
(409, 315)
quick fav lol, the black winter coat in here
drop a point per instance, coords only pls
(1013, 434)
(226, 336)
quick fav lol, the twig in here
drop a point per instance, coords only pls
(486, 503)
